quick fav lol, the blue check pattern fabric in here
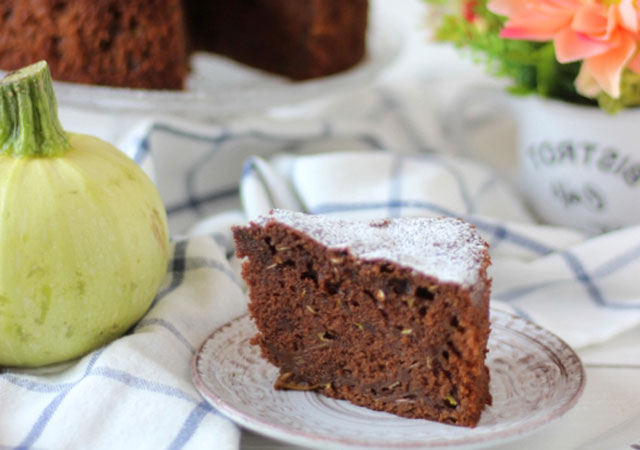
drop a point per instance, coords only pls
(378, 153)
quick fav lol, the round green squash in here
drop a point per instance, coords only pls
(83, 232)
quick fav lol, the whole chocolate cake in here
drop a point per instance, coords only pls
(146, 43)
(392, 315)
(301, 39)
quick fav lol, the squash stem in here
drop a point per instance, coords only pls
(29, 125)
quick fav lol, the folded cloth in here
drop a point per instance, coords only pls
(137, 392)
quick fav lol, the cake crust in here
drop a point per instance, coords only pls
(371, 331)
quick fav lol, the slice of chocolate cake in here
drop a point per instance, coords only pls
(391, 315)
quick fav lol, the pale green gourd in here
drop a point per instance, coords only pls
(83, 232)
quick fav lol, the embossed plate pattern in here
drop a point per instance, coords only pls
(535, 378)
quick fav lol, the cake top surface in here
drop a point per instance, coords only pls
(446, 248)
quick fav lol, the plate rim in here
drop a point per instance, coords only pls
(297, 437)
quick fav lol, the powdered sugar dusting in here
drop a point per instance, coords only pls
(446, 248)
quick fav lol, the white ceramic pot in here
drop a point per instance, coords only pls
(577, 166)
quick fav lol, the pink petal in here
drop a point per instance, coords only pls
(535, 27)
(612, 21)
(527, 34)
(552, 7)
(571, 46)
(628, 15)
(590, 20)
(515, 8)
(555, 11)
(607, 67)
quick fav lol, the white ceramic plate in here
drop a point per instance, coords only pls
(535, 378)
(219, 87)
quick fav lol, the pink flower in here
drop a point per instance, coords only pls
(469, 13)
(604, 34)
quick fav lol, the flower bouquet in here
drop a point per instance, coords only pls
(580, 51)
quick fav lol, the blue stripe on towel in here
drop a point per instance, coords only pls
(631, 255)
(52, 407)
(221, 136)
(142, 384)
(167, 326)
(521, 291)
(190, 425)
(595, 294)
(142, 150)
(177, 270)
(43, 420)
(34, 386)
(325, 132)
(503, 233)
(581, 275)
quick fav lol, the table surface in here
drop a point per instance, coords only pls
(607, 416)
